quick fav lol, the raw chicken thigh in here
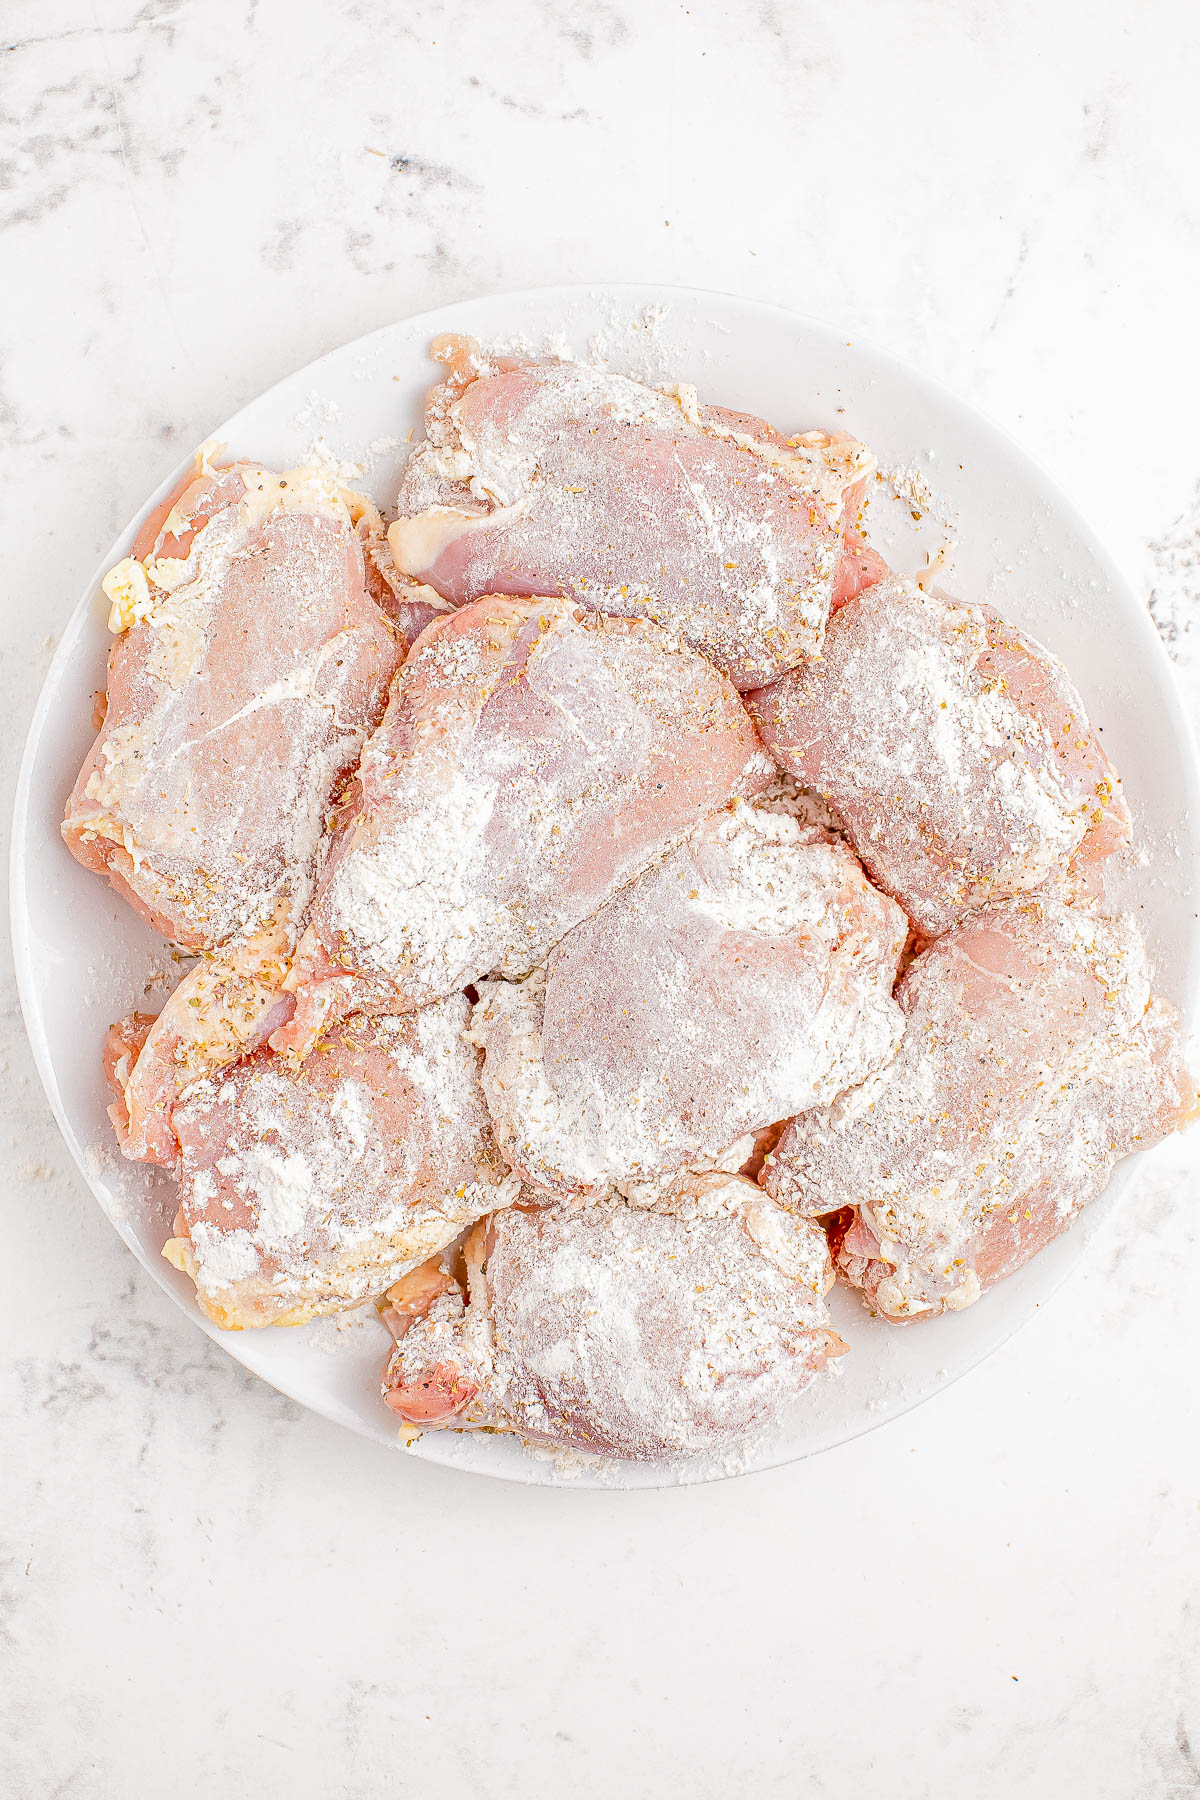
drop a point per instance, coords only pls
(956, 751)
(223, 1009)
(637, 1333)
(305, 1191)
(1033, 1058)
(250, 666)
(745, 978)
(559, 478)
(533, 759)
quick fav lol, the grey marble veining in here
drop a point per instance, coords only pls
(204, 1589)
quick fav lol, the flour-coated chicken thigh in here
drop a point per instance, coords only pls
(250, 664)
(1034, 1057)
(308, 1190)
(533, 759)
(956, 751)
(746, 977)
(644, 1333)
(556, 477)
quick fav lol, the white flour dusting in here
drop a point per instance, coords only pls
(956, 752)
(260, 652)
(556, 476)
(308, 1191)
(545, 757)
(742, 979)
(1032, 1059)
(673, 1332)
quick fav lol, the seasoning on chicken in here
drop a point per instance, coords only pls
(249, 666)
(1034, 1057)
(533, 759)
(306, 1191)
(560, 478)
(643, 1333)
(744, 979)
(955, 750)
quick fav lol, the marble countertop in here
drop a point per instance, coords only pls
(203, 1589)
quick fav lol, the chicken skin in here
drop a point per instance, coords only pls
(533, 759)
(559, 478)
(955, 750)
(642, 1333)
(249, 666)
(743, 979)
(1034, 1057)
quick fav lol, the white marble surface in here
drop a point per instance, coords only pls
(203, 1590)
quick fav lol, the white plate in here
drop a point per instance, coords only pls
(83, 958)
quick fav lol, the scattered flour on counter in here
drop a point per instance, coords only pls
(33, 1169)
(1175, 592)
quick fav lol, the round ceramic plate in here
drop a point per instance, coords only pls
(83, 958)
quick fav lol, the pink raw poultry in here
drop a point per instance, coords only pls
(956, 751)
(559, 478)
(636, 1333)
(251, 665)
(533, 759)
(304, 1191)
(1033, 1058)
(743, 979)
